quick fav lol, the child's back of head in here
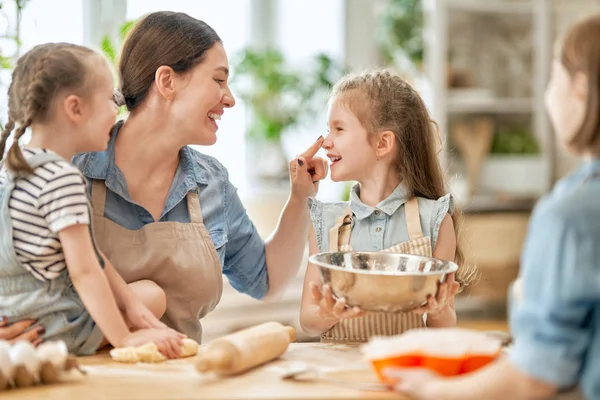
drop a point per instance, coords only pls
(42, 75)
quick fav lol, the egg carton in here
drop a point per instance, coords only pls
(23, 365)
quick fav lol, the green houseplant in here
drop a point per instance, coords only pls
(109, 48)
(280, 97)
(111, 51)
(518, 140)
(515, 164)
(400, 32)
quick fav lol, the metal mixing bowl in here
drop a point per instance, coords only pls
(378, 281)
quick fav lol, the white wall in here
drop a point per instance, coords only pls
(39, 24)
(303, 29)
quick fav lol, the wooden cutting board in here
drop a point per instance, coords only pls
(177, 379)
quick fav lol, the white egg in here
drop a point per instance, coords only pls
(55, 352)
(6, 365)
(23, 353)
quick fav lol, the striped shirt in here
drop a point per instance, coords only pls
(40, 206)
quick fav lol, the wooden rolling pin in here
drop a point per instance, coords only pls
(245, 349)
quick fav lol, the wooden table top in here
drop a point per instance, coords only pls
(177, 379)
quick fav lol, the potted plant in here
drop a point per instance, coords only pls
(279, 98)
(514, 165)
(107, 46)
(400, 34)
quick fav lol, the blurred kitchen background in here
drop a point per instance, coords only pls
(481, 66)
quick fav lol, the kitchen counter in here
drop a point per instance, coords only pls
(177, 379)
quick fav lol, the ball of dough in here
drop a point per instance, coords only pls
(189, 348)
(149, 353)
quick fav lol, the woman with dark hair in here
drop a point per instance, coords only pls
(167, 213)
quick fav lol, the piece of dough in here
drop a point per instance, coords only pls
(189, 348)
(149, 353)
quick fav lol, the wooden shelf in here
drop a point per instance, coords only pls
(491, 6)
(481, 204)
(443, 33)
(490, 105)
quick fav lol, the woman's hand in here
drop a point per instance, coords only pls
(19, 331)
(329, 308)
(418, 383)
(439, 303)
(306, 171)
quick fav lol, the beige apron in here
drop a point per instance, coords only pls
(360, 329)
(180, 257)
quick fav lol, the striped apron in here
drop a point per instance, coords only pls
(360, 329)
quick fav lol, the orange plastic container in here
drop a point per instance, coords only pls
(448, 351)
(475, 361)
(403, 361)
(446, 366)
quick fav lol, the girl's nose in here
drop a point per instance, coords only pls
(327, 142)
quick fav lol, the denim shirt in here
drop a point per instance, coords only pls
(240, 248)
(556, 323)
(378, 228)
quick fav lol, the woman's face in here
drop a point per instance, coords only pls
(201, 97)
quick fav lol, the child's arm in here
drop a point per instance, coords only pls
(91, 283)
(137, 313)
(122, 294)
(93, 288)
(318, 310)
(445, 249)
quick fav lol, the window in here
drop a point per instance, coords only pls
(305, 28)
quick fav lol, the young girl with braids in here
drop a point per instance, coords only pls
(381, 135)
(50, 268)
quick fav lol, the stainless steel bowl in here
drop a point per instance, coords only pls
(378, 281)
